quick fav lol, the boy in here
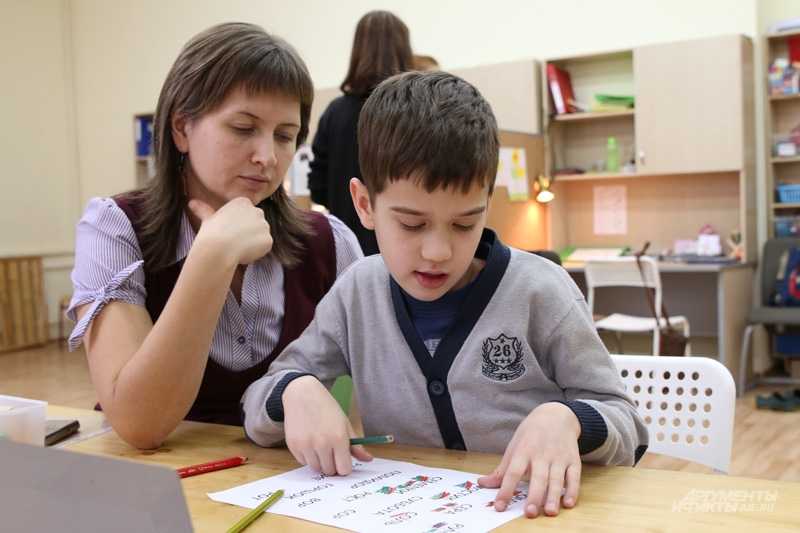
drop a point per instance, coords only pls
(452, 339)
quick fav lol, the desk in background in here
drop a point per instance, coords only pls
(715, 298)
(611, 499)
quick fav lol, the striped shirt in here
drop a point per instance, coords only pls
(109, 266)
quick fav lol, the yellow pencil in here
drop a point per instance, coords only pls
(250, 517)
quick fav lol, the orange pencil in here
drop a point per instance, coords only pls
(194, 470)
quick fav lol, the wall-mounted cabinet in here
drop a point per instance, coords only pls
(512, 89)
(690, 102)
(689, 114)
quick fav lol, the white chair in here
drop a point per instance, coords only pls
(623, 272)
(687, 405)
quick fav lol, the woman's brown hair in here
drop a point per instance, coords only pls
(381, 48)
(212, 64)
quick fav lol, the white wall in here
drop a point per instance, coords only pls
(39, 201)
(40, 189)
(123, 50)
(82, 68)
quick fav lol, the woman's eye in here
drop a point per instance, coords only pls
(243, 130)
(285, 138)
(464, 227)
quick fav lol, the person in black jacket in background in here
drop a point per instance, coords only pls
(381, 48)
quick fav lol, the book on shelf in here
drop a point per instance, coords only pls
(560, 85)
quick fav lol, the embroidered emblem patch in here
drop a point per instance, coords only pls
(502, 358)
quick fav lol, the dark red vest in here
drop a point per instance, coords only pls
(304, 286)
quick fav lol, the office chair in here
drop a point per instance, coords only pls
(762, 314)
(687, 404)
(623, 272)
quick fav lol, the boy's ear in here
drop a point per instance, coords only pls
(362, 203)
(178, 125)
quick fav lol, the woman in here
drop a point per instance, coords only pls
(187, 289)
(381, 48)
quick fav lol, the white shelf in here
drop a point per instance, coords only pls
(794, 159)
(593, 115)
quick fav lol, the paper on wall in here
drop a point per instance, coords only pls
(299, 170)
(610, 210)
(512, 172)
(382, 495)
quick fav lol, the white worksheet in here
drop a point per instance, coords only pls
(382, 495)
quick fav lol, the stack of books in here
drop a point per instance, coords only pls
(611, 103)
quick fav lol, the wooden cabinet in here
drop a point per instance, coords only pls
(686, 150)
(693, 105)
(512, 89)
(689, 105)
(23, 312)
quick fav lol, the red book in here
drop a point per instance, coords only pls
(794, 48)
(560, 89)
(213, 466)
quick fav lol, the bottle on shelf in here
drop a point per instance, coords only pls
(612, 155)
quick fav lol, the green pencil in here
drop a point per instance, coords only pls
(378, 439)
(250, 517)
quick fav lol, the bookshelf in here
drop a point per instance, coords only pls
(782, 115)
(144, 160)
(687, 143)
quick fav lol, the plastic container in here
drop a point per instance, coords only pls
(22, 420)
(788, 192)
(612, 155)
(787, 227)
(788, 344)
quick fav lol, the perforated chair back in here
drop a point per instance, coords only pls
(687, 403)
(622, 272)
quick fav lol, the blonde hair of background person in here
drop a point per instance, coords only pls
(231, 113)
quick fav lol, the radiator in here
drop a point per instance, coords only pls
(23, 311)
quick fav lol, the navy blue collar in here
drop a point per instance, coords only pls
(436, 368)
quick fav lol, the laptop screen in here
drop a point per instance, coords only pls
(43, 489)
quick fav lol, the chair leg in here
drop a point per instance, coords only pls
(743, 356)
(618, 337)
(657, 340)
(687, 333)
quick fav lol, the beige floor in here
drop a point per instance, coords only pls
(766, 444)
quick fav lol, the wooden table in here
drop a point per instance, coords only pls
(611, 499)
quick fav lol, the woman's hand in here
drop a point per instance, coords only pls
(237, 229)
(317, 432)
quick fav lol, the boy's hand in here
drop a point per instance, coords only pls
(544, 448)
(317, 432)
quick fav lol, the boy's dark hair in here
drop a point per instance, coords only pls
(432, 127)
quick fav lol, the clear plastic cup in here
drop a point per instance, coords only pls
(22, 420)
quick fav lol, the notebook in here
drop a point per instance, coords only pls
(46, 489)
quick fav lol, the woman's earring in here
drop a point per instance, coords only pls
(182, 174)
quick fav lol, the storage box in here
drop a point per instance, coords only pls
(788, 344)
(22, 420)
(787, 227)
(789, 192)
